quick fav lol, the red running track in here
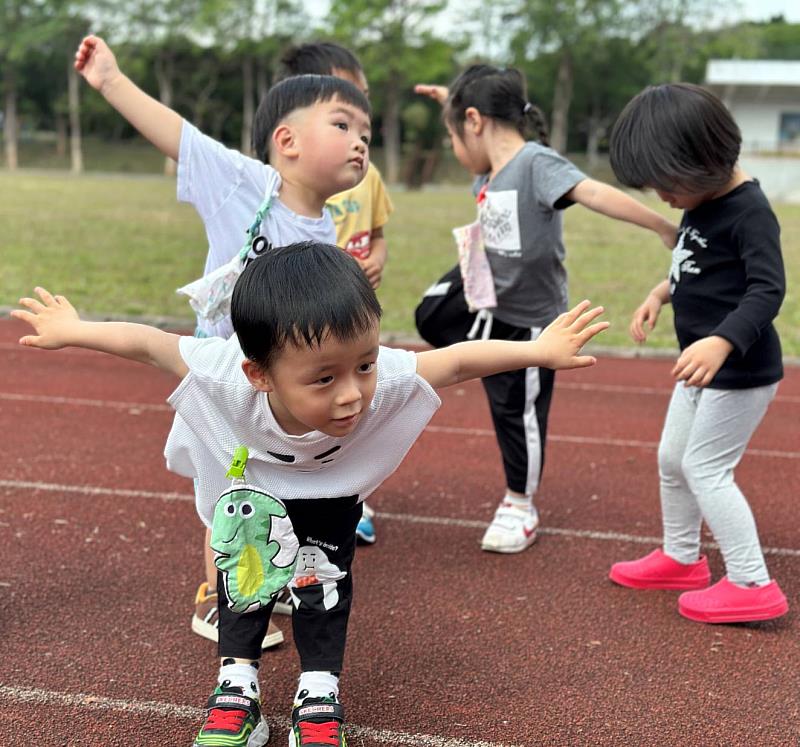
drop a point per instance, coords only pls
(449, 646)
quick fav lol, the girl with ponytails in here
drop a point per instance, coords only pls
(522, 186)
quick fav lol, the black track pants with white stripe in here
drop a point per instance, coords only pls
(520, 404)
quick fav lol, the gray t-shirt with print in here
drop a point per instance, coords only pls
(521, 224)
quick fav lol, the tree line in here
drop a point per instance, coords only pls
(212, 61)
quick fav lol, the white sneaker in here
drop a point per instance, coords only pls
(512, 529)
(283, 604)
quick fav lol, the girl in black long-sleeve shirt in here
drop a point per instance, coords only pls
(726, 285)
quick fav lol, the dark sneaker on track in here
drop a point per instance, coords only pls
(318, 722)
(232, 720)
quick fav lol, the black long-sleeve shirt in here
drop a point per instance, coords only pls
(727, 279)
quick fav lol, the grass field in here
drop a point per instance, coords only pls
(122, 244)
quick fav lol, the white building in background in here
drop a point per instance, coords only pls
(764, 98)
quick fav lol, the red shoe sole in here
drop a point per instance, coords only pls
(740, 616)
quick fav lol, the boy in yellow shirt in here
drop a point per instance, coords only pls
(359, 213)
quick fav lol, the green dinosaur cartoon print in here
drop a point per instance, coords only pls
(255, 546)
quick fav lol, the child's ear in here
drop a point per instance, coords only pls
(258, 377)
(474, 119)
(284, 140)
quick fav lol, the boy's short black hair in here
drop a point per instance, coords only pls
(299, 294)
(298, 93)
(317, 58)
(675, 137)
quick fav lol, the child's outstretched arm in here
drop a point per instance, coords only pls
(57, 325)
(613, 202)
(158, 123)
(556, 347)
(645, 317)
(437, 93)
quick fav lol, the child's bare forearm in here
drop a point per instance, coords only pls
(558, 346)
(56, 324)
(155, 121)
(614, 203)
(661, 292)
(474, 360)
(136, 342)
(377, 249)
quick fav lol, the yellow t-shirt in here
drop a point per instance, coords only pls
(357, 212)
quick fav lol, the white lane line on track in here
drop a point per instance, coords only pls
(648, 390)
(80, 402)
(172, 710)
(94, 490)
(593, 441)
(136, 407)
(389, 516)
(117, 404)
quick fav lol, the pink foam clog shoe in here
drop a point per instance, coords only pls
(725, 602)
(659, 571)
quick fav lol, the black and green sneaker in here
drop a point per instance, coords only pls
(232, 720)
(318, 722)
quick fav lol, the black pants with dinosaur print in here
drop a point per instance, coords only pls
(321, 590)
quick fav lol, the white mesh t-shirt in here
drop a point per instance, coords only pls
(227, 189)
(217, 409)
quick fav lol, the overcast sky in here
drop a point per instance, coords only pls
(754, 10)
(758, 10)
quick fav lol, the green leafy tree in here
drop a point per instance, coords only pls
(675, 36)
(21, 27)
(617, 72)
(397, 48)
(251, 33)
(160, 27)
(780, 40)
(567, 29)
(39, 35)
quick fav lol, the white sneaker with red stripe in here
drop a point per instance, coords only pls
(512, 529)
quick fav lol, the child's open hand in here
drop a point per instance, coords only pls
(437, 93)
(52, 318)
(698, 364)
(373, 270)
(96, 62)
(645, 318)
(561, 341)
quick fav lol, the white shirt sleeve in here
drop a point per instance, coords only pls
(209, 173)
(213, 359)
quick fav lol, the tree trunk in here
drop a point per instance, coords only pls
(248, 94)
(10, 117)
(596, 130)
(75, 149)
(164, 74)
(262, 80)
(62, 134)
(562, 98)
(391, 129)
(429, 166)
(413, 167)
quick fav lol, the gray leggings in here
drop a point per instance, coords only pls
(705, 434)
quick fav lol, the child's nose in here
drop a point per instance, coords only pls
(348, 393)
